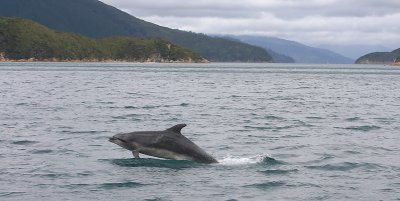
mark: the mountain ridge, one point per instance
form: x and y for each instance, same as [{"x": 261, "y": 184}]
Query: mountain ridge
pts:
[
  {"x": 93, "y": 18},
  {"x": 276, "y": 57},
  {"x": 299, "y": 52}
]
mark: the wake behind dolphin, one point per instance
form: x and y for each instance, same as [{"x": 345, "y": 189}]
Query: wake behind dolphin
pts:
[{"x": 169, "y": 144}]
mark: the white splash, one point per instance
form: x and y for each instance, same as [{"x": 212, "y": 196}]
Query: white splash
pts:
[{"x": 232, "y": 160}]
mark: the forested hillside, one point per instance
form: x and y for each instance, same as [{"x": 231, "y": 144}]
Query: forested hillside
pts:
[
  {"x": 22, "y": 39},
  {"x": 93, "y": 18},
  {"x": 380, "y": 57}
]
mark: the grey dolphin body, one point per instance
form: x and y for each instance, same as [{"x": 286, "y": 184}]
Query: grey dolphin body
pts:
[{"x": 169, "y": 144}]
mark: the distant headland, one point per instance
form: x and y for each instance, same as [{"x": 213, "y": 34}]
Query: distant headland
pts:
[{"x": 390, "y": 58}]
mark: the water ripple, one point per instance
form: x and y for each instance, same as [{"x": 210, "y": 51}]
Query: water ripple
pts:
[
  {"x": 352, "y": 119},
  {"x": 42, "y": 151},
  {"x": 266, "y": 185},
  {"x": 11, "y": 194},
  {"x": 365, "y": 128},
  {"x": 24, "y": 142},
  {"x": 156, "y": 199},
  {"x": 345, "y": 166},
  {"x": 278, "y": 171},
  {"x": 159, "y": 163},
  {"x": 128, "y": 184}
]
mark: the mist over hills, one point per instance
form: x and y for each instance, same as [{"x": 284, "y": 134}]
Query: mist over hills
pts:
[
  {"x": 276, "y": 57},
  {"x": 93, "y": 18},
  {"x": 299, "y": 52},
  {"x": 354, "y": 51}
]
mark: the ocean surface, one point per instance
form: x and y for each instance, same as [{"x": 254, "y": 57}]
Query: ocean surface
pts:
[{"x": 279, "y": 131}]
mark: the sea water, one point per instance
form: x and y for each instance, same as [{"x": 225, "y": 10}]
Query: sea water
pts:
[{"x": 280, "y": 131}]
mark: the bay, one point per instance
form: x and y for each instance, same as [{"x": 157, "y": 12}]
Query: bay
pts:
[{"x": 280, "y": 131}]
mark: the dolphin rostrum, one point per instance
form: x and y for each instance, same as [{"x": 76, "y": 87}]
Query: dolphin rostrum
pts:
[{"x": 169, "y": 144}]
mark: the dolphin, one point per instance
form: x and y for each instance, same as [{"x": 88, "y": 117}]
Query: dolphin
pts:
[{"x": 169, "y": 144}]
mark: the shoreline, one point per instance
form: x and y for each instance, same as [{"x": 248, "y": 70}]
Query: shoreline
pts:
[{"x": 103, "y": 60}]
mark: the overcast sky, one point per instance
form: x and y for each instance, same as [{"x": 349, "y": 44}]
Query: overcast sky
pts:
[{"x": 313, "y": 22}]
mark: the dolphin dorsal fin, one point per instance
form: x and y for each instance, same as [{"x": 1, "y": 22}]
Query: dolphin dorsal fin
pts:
[{"x": 177, "y": 128}]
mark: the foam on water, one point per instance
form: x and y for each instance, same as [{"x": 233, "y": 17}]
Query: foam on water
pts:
[{"x": 234, "y": 160}]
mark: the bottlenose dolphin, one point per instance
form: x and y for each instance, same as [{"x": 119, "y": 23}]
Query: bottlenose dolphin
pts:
[{"x": 169, "y": 144}]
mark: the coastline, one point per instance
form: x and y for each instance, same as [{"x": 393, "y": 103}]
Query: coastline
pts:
[
  {"x": 148, "y": 60},
  {"x": 379, "y": 63}
]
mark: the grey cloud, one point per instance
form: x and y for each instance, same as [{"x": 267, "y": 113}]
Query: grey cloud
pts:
[
  {"x": 309, "y": 21},
  {"x": 250, "y": 8}
]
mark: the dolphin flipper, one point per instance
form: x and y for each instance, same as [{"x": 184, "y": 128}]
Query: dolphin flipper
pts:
[{"x": 135, "y": 153}]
